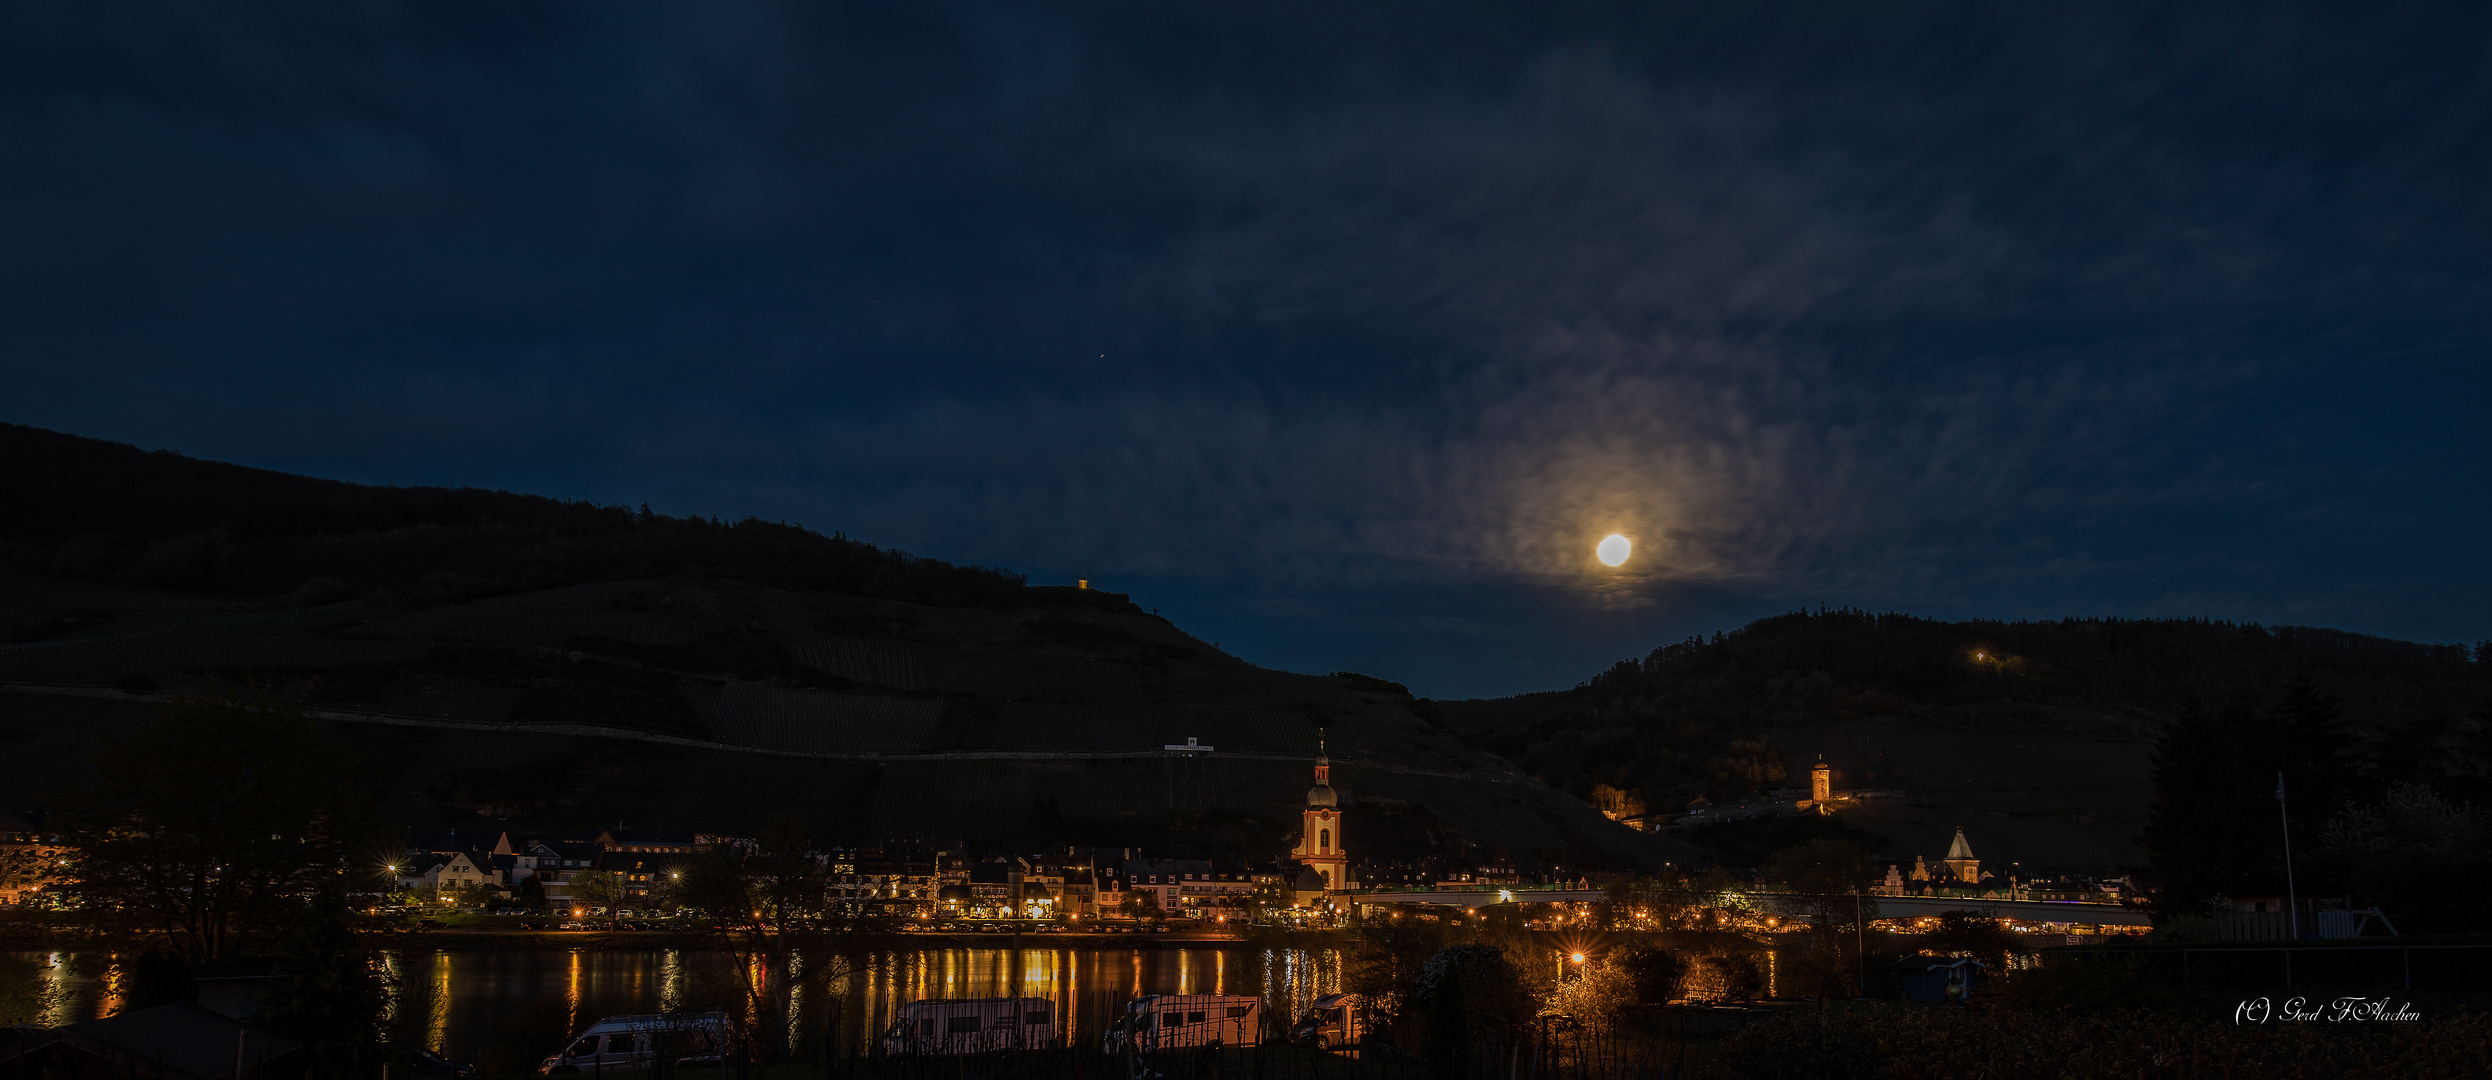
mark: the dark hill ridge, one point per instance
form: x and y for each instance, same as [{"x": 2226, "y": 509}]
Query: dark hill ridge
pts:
[
  {"x": 111, "y": 513},
  {"x": 2036, "y": 736},
  {"x": 561, "y": 665}
]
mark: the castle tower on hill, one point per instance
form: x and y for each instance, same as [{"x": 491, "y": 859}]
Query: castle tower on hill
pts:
[
  {"x": 1319, "y": 831},
  {"x": 1961, "y": 865},
  {"x": 1821, "y": 782}
]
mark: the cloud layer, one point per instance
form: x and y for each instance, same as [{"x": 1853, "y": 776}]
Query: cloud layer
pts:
[{"x": 1319, "y": 318}]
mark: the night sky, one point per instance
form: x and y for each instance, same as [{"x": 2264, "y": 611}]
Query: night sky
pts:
[{"x": 1339, "y": 333}]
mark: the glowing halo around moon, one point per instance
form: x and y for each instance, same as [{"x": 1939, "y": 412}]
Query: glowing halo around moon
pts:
[{"x": 1614, "y": 549}]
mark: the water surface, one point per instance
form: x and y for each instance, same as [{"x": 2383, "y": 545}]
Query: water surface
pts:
[{"x": 509, "y": 1003}]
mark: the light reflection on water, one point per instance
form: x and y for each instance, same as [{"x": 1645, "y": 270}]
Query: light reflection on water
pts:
[{"x": 475, "y": 996}]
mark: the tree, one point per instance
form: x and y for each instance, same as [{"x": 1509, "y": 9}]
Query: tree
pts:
[
  {"x": 1748, "y": 765},
  {"x": 2213, "y": 819},
  {"x": 1973, "y": 934},
  {"x": 2314, "y": 752},
  {"x": 1381, "y": 969},
  {"x": 1462, "y": 989},
  {"x": 770, "y": 901},
  {"x": 531, "y": 892},
  {"x": 212, "y": 827},
  {"x": 1652, "y": 974},
  {"x": 600, "y": 889},
  {"x": 332, "y": 1000},
  {"x": 2422, "y": 857},
  {"x": 1827, "y": 879}
]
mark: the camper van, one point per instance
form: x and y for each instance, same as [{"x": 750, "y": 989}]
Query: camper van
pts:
[
  {"x": 1330, "y": 1021},
  {"x": 971, "y": 1026},
  {"x": 1172, "y": 1021},
  {"x": 622, "y": 1044}
]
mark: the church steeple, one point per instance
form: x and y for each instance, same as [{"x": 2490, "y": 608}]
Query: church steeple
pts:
[
  {"x": 1322, "y": 793},
  {"x": 1961, "y": 865},
  {"x": 1319, "y": 838}
]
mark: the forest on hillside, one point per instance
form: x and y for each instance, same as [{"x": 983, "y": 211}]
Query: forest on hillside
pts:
[
  {"x": 108, "y": 512},
  {"x": 1691, "y": 718}
]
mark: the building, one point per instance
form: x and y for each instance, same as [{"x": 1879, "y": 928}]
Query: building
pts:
[
  {"x": 31, "y": 860},
  {"x": 1178, "y": 884},
  {"x": 649, "y": 841},
  {"x": 642, "y": 874},
  {"x": 436, "y": 872},
  {"x": 1321, "y": 846},
  {"x": 1962, "y": 867},
  {"x": 1309, "y": 888}
]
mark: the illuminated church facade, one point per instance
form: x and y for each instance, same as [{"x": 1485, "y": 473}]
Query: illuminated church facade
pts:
[{"x": 1320, "y": 846}]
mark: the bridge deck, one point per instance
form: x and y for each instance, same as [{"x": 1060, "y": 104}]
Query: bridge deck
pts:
[{"x": 1889, "y": 907}]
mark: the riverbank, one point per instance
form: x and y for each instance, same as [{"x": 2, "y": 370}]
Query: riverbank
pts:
[{"x": 490, "y": 938}]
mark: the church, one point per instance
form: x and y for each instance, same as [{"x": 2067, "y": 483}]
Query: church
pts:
[{"x": 1320, "y": 845}]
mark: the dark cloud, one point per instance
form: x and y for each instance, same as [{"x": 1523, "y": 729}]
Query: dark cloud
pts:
[{"x": 1345, "y": 332}]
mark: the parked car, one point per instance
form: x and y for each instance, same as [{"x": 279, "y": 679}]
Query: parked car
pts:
[
  {"x": 970, "y": 1026},
  {"x": 635, "y": 1043},
  {"x": 1173, "y": 1021}
]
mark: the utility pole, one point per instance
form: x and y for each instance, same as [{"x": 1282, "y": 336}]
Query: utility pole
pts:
[{"x": 2292, "y": 906}]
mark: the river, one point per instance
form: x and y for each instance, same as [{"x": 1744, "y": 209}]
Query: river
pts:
[{"x": 504, "y": 1007}]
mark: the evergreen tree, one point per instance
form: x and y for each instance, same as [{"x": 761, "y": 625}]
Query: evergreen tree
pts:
[
  {"x": 333, "y": 1000},
  {"x": 2212, "y": 820},
  {"x": 2315, "y": 754}
]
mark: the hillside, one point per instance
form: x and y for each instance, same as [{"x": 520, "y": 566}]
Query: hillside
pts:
[
  {"x": 557, "y": 665},
  {"x": 109, "y": 513},
  {"x": 2036, "y": 737}
]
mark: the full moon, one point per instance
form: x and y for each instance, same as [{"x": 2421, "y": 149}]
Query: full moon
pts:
[{"x": 1614, "y": 549}]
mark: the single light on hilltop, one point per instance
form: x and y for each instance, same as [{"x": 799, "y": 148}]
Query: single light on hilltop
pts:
[
  {"x": 1577, "y": 957},
  {"x": 1614, "y": 549}
]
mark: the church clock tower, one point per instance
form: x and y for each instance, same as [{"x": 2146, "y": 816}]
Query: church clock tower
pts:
[{"x": 1319, "y": 834}]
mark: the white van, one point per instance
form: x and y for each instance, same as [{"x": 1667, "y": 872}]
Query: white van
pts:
[
  {"x": 971, "y": 1026},
  {"x": 1171, "y": 1021},
  {"x": 625, "y": 1044},
  {"x": 1330, "y": 1022}
]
